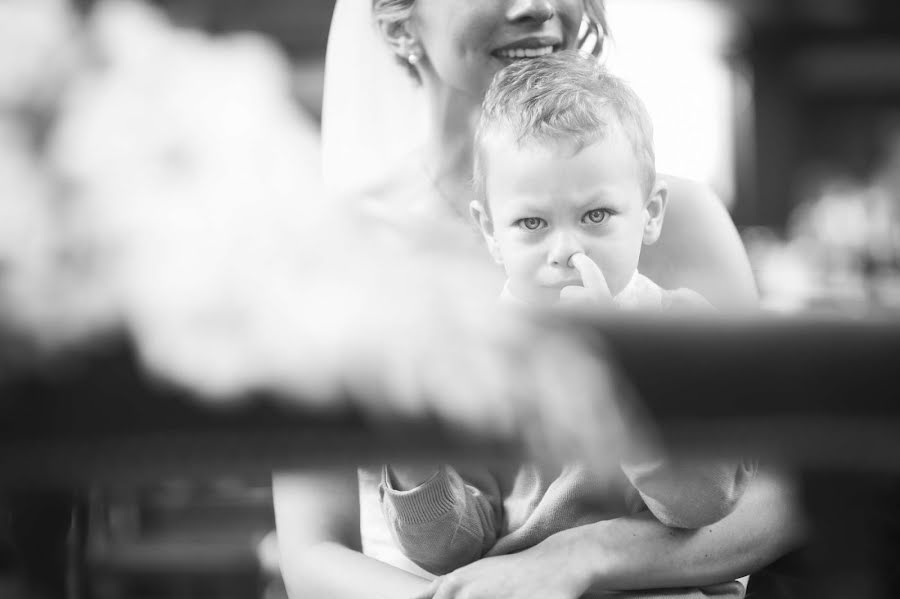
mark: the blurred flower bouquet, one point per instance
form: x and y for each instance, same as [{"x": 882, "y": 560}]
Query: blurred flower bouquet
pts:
[{"x": 163, "y": 182}]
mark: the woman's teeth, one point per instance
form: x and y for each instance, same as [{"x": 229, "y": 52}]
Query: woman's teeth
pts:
[{"x": 525, "y": 52}]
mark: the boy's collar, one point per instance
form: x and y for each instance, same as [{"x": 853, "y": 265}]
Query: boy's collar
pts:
[
  {"x": 507, "y": 298},
  {"x": 638, "y": 293}
]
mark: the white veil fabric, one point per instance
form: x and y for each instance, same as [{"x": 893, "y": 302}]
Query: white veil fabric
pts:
[
  {"x": 373, "y": 111},
  {"x": 373, "y": 116}
]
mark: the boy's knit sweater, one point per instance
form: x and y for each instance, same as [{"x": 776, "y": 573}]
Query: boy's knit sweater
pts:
[{"x": 459, "y": 516}]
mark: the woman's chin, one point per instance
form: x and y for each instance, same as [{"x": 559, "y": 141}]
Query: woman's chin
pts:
[{"x": 505, "y": 61}]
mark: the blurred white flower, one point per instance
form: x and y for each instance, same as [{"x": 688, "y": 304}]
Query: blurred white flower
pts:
[
  {"x": 191, "y": 213},
  {"x": 35, "y": 43},
  {"x": 26, "y": 225},
  {"x": 36, "y": 38}
]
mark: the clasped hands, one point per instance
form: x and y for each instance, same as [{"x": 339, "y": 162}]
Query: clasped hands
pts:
[{"x": 541, "y": 572}]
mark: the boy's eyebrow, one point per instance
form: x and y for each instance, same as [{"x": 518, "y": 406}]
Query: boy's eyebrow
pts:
[
  {"x": 598, "y": 196},
  {"x": 528, "y": 207},
  {"x": 588, "y": 201}
]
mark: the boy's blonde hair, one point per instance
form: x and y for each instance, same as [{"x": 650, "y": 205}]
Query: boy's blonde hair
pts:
[{"x": 563, "y": 97}]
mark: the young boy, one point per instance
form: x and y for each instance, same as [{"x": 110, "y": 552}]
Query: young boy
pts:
[{"x": 566, "y": 174}]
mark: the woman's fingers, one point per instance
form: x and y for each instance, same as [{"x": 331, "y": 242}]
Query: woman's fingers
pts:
[{"x": 431, "y": 591}]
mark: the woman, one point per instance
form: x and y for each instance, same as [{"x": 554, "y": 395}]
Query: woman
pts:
[
  {"x": 415, "y": 171},
  {"x": 402, "y": 133}
]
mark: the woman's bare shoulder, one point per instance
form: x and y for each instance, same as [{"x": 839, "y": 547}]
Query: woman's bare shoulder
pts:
[{"x": 700, "y": 248}]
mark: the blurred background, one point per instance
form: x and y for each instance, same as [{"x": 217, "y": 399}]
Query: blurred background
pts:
[{"x": 789, "y": 110}]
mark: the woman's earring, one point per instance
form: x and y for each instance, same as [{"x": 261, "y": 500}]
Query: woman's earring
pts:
[{"x": 414, "y": 58}]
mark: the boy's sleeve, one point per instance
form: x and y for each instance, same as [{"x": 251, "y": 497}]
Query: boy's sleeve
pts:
[
  {"x": 446, "y": 522},
  {"x": 690, "y": 493},
  {"x": 686, "y": 301}
]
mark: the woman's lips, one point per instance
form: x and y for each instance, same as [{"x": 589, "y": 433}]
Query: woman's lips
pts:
[
  {"x": 524, "y": 52},
  {"x": 530, "y": 47}
]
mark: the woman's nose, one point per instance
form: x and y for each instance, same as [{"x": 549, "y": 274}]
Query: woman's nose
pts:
[
  {"x": 563, "y": 246},
  {"x": 531, "y": 11}
]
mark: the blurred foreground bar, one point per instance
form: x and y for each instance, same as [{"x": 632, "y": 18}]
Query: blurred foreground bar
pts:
[
  {"x": 808, "y": 393},
  {"x": 819, "y": 396},
  {"x": 94, "y": 416}
]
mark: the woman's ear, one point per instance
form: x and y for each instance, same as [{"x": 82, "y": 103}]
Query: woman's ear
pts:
[
  {"x": 655, "y": 211},
  {"x": 482, "y": 218},
  {"x": 401, "y": 38}
]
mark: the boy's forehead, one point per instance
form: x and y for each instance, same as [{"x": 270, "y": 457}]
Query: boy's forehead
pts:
[
  {"x": 503, "y": 138},
  {"x": 502, "y": 145},
  {"x": 556, "y": 169},
  {"x": 513, "y": 166}
]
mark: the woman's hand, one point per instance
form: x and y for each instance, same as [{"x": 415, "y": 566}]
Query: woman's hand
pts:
[{"x": 531, "y": 574}]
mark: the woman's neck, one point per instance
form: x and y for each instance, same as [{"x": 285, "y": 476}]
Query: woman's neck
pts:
[{"x": 448, "y": 159}]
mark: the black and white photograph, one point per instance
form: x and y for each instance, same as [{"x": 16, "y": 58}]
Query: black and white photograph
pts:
[{"x": 449, "y": 299}]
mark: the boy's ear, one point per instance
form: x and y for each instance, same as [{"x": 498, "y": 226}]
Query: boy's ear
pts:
[
  {"x": 483, "y": 219},
  {"x": 400, "y": 37},
  {"x": 655, "y": 212}
]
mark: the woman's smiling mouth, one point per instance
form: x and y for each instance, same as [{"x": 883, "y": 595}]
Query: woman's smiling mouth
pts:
[
  {"x": 530, "y": 47},
  {"x": 524, "y": 52}
]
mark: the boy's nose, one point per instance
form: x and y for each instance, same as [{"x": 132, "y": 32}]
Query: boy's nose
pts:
[
  {"x": 532, "y": 11},
  {"x": 562, "y": 247}
]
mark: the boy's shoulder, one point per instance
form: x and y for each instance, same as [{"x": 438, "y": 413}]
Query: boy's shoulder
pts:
[
  {"x": 685, "y": 301},
  {"x": 643, "y": 293}
]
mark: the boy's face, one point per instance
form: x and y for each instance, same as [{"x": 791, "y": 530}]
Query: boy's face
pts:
[{"x": 547, "y": 203}]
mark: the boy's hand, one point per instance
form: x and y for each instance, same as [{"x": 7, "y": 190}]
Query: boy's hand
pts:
[{"x": 593, "y": 293}]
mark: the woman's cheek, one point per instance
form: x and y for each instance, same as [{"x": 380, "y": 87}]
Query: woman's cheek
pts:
[{"x": 472, "y": 66}]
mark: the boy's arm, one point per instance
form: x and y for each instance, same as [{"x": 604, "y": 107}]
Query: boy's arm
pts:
[
  {"x": 637, "y": 552},
  {"x": 687, "y": 493},
  {"x": 445, "y": 522}
]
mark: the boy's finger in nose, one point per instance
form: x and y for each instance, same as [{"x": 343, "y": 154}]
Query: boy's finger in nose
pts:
[{"x": 591, "y": 275}]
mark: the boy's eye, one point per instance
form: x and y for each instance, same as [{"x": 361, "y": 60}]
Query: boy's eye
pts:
[
  {"x": 532, "y": 223},
  {"x": 595, "y": 217}
]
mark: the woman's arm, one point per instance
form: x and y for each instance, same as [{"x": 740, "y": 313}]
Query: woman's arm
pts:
[
  {"x": 317, "y": 518},
  {"x": 700, "y": 249},
  {"x": 637, "y": 552}
]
